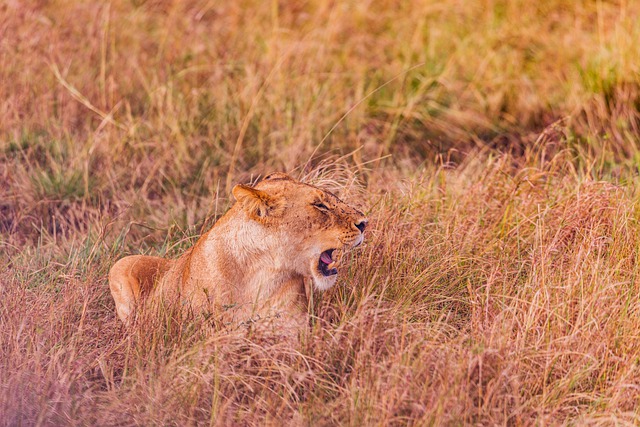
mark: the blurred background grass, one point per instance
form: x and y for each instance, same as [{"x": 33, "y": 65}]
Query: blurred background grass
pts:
[
  {"x": 171, "y": 96},
  {"x": 173, "y": 99}
]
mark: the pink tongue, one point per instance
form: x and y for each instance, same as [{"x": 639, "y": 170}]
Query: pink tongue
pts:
[{"x": 326, "y": 258}]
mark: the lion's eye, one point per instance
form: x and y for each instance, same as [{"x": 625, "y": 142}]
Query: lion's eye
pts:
[{"x": 321, "y": 206}]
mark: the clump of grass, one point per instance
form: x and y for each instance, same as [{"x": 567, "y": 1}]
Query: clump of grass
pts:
[{"x": 484, "y": 294}]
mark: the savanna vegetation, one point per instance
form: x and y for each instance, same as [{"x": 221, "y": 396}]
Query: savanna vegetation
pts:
[{"x": 494, "y": 145}]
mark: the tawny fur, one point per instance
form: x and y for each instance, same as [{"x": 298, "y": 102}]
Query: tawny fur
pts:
[{"x": 253, "y": 261}]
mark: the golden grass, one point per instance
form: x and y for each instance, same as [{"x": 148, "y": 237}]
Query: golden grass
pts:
[{"x": 499, "y": 280}]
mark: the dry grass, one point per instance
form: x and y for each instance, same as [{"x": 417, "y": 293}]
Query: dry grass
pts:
[{"x": 499, "y": 282}]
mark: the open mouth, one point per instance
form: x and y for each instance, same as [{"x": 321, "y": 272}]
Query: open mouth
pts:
[{"x": 325, "y": 261}]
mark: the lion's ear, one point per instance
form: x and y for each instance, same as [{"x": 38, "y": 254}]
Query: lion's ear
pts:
[{"x": 257, "y": 203}]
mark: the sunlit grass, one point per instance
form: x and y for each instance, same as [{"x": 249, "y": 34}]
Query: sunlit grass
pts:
[{"x": 493, "y": 145}]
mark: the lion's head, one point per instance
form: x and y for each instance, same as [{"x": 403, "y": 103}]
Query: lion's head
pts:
[{"x": 312, "y": 226}]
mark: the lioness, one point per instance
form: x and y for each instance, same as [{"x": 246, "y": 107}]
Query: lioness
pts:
[{"x": 254, "y": 259}]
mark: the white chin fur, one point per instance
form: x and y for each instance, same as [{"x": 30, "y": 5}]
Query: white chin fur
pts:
[{"x": 322, "y": 283}]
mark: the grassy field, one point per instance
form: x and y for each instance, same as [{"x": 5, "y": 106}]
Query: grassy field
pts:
[{"x": 494, "y": 145}]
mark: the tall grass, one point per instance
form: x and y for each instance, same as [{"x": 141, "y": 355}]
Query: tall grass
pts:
[{"x": 493, "y": 144}]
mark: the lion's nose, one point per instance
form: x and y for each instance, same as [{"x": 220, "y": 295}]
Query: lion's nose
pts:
[{"x": 361, "y": 225}]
